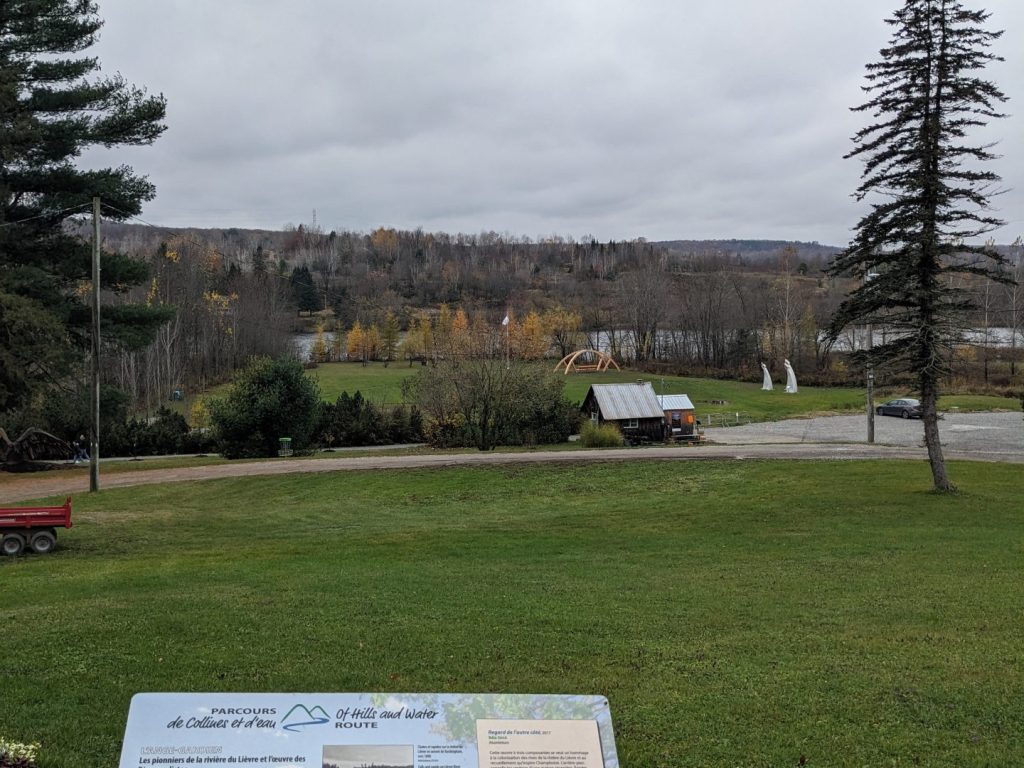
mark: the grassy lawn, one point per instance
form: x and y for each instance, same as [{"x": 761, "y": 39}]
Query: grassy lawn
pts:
[
  {"x": 377, "y": 383},
  {"x": 735, "y": 614},
  {"x": 381, "y": 384},
  {"x": 384, "y": 385}
]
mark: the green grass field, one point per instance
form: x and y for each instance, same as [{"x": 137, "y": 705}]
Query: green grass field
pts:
[
  {"x": 735, "y": 614},
  {"x": 381, "y": 384}
]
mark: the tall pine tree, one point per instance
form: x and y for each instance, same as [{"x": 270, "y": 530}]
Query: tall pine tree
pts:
[
  {"x": 929, "y": 195},
  {"x": 54, "y": 103}
]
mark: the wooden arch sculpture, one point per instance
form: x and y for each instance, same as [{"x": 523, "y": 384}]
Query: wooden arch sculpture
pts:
[{"x": 593, "y": 360}]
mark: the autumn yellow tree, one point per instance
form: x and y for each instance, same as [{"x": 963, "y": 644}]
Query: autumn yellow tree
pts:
[
  {"x": 410, "y": 347},
  {"x": 460, "y": 341},
  {"x": 319, "y": 352},
  {"x": 199, "y": 414},
  {"x": 354, "y": 342},
  {"x": 529, "y": 339},
  {"x": 389, "y": 337},
  {"x": 385, "y": 242},
  {"x": 563, "y": 327},
  {"x": 371, "y": 343},
  {"x": 426, "y": 337},
  {"x": 418, "y": 340}
]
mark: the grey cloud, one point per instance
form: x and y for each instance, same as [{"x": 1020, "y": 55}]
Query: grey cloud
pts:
[{"x": 656, "y": 118}]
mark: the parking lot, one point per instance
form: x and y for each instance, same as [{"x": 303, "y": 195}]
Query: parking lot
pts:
[{"x": 990, "y": 433}]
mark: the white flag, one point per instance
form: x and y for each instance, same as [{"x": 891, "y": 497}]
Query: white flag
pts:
[{"x": 505, "y": 321}]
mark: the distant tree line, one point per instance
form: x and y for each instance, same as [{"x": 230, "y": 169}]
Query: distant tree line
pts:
[{"x": 719, "y": 308}]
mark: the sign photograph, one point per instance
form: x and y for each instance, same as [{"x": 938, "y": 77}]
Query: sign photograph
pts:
[{"x": 368, "y": 730}]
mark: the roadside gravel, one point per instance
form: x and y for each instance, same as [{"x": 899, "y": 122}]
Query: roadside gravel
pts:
[{"x": 979, "y": 436}]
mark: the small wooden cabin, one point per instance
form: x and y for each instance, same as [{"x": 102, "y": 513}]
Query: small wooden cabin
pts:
[
  {"x": 633, "y": 408},
  {"x": 680, "y": 420}
]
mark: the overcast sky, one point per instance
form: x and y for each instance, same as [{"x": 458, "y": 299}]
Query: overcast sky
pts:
[{"x": 662, "y": 119}]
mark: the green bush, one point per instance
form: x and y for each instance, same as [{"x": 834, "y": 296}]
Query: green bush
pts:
[
  {"x": 351, "y": 420},
  {"x": 603, "y": 436},
  {"x": 168, "y": 433},
  {"x": 268, "y": 400},
  {"x": 485, "y": 402},
  {"x": 69, "y": 417}
]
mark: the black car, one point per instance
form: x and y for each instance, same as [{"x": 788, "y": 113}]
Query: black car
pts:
[{"x": 906, "y": 408}]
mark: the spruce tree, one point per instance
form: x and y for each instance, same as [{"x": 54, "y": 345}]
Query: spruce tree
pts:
[
  {"x": 303, "y": 290},
  {"x": 929, "y": 195},
  {"x": 54, "y": 103}
]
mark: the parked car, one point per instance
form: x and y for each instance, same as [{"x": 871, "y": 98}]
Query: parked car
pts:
[{"x": 906, "y": 408}]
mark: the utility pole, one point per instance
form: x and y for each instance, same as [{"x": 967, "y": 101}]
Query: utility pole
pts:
[
  {"x": 94, "y": 432},
  {"x": 871, "y": 371},
  {"x": 871, "y": 394}
]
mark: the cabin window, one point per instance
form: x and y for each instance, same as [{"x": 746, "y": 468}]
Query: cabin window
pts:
[
  {"x": 632, "y": 423},
  {"x": 594, "y": 417},
  {"x": 676, "y": 416}
]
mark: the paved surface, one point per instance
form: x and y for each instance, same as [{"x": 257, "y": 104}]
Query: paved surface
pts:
[
  {"x": 988, "y": 434},
  {"x": 980, "y": 437}
]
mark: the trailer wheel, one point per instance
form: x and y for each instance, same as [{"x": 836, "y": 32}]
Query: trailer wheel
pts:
[
  {"x": 43, "y": 542},
  {"x": 13, "y": 544}
]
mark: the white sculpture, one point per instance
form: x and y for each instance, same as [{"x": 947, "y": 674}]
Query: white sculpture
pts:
[
  {"x": 790, "y": 379},
  {"x": 766, "y": 385}
]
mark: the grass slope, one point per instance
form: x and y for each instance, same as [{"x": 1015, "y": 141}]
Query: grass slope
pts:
[
  {"x": 384, "y": 385},
  {"x": 381, "y": 384},
  {"x": 735, "y": 614}
]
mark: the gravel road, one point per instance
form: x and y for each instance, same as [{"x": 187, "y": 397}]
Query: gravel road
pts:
[{"x": 978, "y": 436}]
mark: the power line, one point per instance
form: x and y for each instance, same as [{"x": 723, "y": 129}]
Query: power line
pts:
[{"x": 45, "y": 215}]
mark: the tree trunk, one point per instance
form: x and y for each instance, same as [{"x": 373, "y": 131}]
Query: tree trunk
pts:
[
  {"x": 930, "y": 418},
  {"x": 929, "y": 264}
]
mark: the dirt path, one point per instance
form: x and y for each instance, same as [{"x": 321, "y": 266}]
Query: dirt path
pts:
[{"x": 54, "y": 484}]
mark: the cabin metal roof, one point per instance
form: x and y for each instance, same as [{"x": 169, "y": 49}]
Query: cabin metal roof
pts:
[
  {"x": 627, "y": 401},
  {"x": 675, "y": 402}
]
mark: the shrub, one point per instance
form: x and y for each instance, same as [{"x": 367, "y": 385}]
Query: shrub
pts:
[
  {"x": 268, "y": 400},
  {"x": 406, "y": 424},
  {"x": 15, "y": 755},
  {"x": 600, "y": 436},
  {"x": 486, "y": 402},
  {"x": 199, "y": 414},
  {"x": 351, "y": 420},
  {"x": 166, "y": 434},
  {"x": 69, "y": 417}
]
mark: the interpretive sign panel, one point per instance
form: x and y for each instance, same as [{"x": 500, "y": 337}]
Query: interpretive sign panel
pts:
[{"x": 360, "y": 730}]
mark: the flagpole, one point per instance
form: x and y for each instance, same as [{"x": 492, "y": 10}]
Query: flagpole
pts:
[{"x": 508, "y": 326}]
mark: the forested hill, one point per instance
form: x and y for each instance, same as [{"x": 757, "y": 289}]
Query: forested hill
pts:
[
  {"x": 232, "y": 241},
  {"x": 752, "y": 250},
  {"x": 138, "y": 238}
]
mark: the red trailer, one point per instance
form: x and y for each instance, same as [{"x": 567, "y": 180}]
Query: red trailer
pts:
[{"x": 34, "y": 527}]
